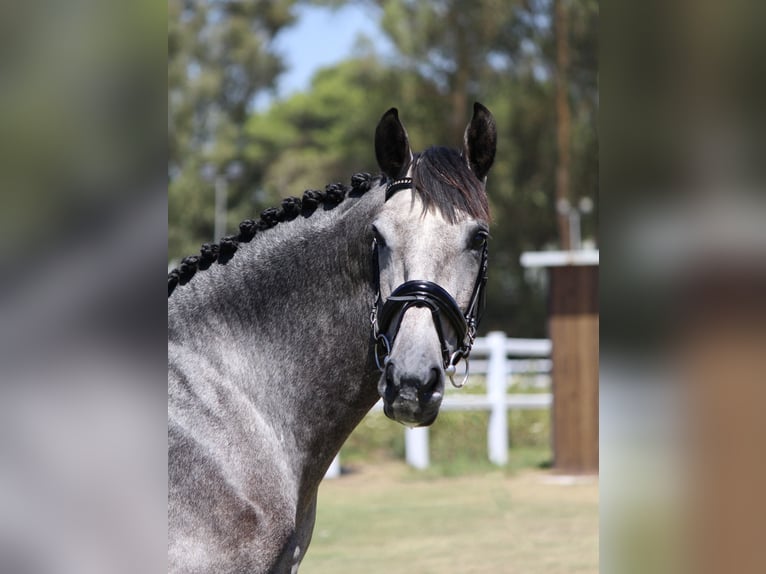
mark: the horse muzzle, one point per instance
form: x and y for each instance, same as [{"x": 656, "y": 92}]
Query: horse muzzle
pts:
[
  {"x": 409, "y": 399},
  {"x": 412, "y": 381}
]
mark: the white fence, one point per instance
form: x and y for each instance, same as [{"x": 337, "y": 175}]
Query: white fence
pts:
[{"x": 498, "y": 357}]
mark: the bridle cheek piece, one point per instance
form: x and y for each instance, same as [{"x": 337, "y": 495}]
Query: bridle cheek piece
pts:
[{"x": 386, "y": 318}]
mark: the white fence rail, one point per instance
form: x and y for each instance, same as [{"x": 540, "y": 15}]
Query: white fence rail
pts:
[{"x": 498, "y": 357}]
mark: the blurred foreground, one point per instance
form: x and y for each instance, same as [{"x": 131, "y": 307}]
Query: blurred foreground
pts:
[
  {"x": 683, "y": 312},
  {"x": 683, "y": 322}
]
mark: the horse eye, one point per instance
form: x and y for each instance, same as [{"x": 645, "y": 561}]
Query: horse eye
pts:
[{"x": 478, "y": 240}]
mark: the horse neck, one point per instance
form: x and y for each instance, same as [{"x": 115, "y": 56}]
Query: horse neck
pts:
[{"x": 287, "y": 322}]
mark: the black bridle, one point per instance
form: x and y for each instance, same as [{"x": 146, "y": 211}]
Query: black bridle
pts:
[{"x": 386, "y": 317}]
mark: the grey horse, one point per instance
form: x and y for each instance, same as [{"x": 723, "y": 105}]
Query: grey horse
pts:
[{"x": 278, "y": 350}]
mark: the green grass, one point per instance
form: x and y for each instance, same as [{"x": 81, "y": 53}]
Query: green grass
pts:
[
  {"x": 387, "y": 518},
  {"x": 461, "y": 515}
]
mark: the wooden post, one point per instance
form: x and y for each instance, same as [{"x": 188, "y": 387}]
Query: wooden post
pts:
[{"x": 573, "y": 327}]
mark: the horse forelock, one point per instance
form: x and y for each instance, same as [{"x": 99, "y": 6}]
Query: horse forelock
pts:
[{"x": 443, "y": 181}]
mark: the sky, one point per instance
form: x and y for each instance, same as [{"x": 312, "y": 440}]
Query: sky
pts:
[{"x": 321, "y": 37}]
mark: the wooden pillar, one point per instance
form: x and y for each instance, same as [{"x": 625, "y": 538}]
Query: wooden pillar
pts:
[{"x": 573, "y": 328}]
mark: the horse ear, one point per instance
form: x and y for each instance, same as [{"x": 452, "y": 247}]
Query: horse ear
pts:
[
  {"x": 480, "y": 141},
  {"x": 392, "y": 146}
]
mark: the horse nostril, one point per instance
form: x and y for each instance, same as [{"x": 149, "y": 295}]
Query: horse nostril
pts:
[
  {"x": 391, "y": 388},
  {"x": 390, "y": 373},
  {"x": 433, "y": 380},
  {"x": 401, "y": 384}
]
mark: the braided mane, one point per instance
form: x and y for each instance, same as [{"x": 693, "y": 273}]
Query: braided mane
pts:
[{"x": 290, "y": 208}]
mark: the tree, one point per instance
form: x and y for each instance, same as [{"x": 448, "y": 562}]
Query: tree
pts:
[
  {"x": 563, "y": 117},
  {"x": 451, "y": 42},
  {"x": 326, "y": 134},
  {"x": 450, "y": 53},
  {"x": 322, "y": 135},
  {"x": 219, "y": 59}
]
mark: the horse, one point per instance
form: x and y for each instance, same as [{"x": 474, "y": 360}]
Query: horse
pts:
[{"x": 299, "y": 324}]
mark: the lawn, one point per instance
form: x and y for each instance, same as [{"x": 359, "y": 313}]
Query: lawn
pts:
[{"x": 386, "y": 518}]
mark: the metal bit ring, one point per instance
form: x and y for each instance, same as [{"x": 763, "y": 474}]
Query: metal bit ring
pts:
[{"x": 451, "y": 369}]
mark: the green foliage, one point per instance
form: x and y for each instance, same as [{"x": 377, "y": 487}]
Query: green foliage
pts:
[
  {"x": 322, "y": 136},
  {"x": 219, "y": 59}
]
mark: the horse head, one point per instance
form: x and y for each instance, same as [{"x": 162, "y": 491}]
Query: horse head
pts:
[{"x": 430, "y": 250}]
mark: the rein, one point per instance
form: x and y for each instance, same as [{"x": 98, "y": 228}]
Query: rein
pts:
[{"x": 386, "y": 317}]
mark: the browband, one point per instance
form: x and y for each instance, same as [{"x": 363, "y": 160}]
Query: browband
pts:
[{"x": 398, "y": 185}]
